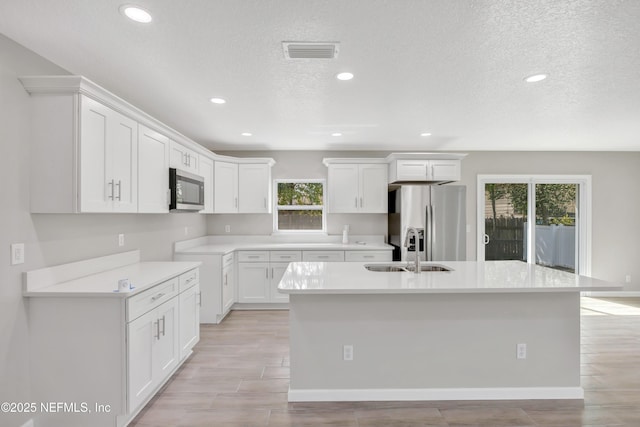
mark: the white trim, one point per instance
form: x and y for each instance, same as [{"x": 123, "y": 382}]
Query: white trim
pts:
[
  {"x": 584, "y": 208},
  {"x": 410, "y": 394}
]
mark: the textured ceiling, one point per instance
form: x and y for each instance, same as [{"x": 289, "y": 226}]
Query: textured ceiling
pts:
[{"x": 453, "y": 68}]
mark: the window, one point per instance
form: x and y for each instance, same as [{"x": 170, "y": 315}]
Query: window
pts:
[
  {"x": 299, "y": 206},
  {"x": 539, "y": 219}
]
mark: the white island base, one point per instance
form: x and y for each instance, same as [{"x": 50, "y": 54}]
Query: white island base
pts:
[
  {"x": 437, "y": 341},
  {"x": 435, "y": 347}
]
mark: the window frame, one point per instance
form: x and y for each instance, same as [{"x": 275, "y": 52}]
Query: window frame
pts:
[
  {"x": 322, "y": 208},
  {"x": 583, "y": 206}
]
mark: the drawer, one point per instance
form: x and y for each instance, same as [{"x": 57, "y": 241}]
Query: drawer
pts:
[
  {"x": 367, "y": 256},
  {"x": 323, "y": 256},
  {"x": 227, "y": 260},
  {"x": 253, "y": 256},
  {"x": 189, "y": 279},
  {"x": 285, "y": 256},
  {"x": 151, "y": 298}
]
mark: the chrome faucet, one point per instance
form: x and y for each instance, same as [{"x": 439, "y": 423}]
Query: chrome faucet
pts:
[{"x": 416, "y": 267}]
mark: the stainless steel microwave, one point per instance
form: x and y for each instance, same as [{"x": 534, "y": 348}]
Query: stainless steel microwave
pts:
[{"x": 187, "y": 191}]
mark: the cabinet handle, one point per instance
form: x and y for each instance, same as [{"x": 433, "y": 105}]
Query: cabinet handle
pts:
[
  {"x": 225, "y": 280},
  {"x": 189, "y": 280},
  {"x": 356, "y": 202},
  {"x": 157, "y": 324},
  {"x": 323, "y": 256},
  {"x": 285, "y": 256},
  {"x": 267, "y": 271},
  {"x": 360, "y": 201},
  {"x": 163, "y": 325},
  {"x": 184, "y": 161},
  {"x": 156, "y": 297},
  {"x": 111, "y": 183},
  {"x": 199, "y": 299},
  {"x": 236, "y": 201},
  {"x": 119, "y": 185},
  {"x": 367, "y": 256},
  {"x": 253, "y": 256},
  {"x": 265, "y": 203}
]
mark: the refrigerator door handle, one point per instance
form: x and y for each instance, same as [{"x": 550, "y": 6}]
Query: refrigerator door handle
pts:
[{"x": 432, "y": 232}]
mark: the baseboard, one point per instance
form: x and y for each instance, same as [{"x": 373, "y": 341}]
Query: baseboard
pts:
[
  {"x": 619, "y": 294},
  {"x": 504, "y": 393},
  {"x": 28, "y": 423}
]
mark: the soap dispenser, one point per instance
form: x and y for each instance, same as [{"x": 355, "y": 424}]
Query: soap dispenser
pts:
[{"x": 345, "y": 235}]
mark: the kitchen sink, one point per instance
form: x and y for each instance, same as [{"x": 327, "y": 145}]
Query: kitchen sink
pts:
[
  {"x": 387, "y": 268},
  {"x": 410, "y": 267}
]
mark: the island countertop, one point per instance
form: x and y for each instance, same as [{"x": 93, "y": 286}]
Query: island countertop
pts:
[{"x": 464, "y": 277}]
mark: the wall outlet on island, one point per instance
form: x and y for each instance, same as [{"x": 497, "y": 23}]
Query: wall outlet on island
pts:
[
  {"x": 227, "y": 229},
  {"x": 120, "y": 239},
  {"x": 521, "y": 351},
  {"x": 347, "y": 352},
  {"x": 627, "y": 278}
]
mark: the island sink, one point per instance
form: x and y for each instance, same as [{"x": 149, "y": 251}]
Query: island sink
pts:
[{"x": 404, "y": 268}]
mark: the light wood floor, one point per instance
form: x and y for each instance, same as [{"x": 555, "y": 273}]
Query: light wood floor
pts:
[{"x": 238, "y": 376}]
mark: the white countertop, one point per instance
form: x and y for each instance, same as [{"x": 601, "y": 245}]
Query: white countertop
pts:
[
  {"x": 142, "y": 275},
  {"x": 225, "y": 248},
  {"x": 466, "y": 277}
]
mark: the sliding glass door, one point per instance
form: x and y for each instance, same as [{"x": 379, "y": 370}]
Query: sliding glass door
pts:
[{"x": 535, "y": 219}]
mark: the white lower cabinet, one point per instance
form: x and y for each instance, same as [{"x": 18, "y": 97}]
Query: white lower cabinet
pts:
[
  {"x": 260, "y": 272},
  {"x": 189, "y": 320},
  {"x": 153, "y": 350}
]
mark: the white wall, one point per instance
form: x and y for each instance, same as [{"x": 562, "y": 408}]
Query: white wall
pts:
[
  {"x": 616, "y": 201},
  {"x": 51, "y": 239}
]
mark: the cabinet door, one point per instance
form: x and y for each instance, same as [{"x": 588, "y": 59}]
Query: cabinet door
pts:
[
  {"x": 153, "y": 171},
  {"x": 166, "y": 353},
  {"x": 228, "y": 288},
  {"x": 178, "y": 156},
  {"x": 254, "y": 188},
  {"x": 142, "y": 335},
  {"x": 277, "y": 271},
  {"x": 206, "y": 171},
  {"x": 343, "y": 188},
  {"x": 96, "y": 187},
  {"x": 189, "y": 320},
  {"x": 253, "y": 282},
  {"x": 411, "y": 170},
  {"x": 226, "y": 187},
  {"x": 444, "y": 170},
  {"x": 373, "y": 188},
  {"x": 123, "y": 142}
]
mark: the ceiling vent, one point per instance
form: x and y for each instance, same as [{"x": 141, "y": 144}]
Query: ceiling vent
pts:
[{"x": 311, "y": 50}]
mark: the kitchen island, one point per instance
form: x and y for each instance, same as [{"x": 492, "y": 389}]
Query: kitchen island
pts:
[{"x": 484, "y": 330}]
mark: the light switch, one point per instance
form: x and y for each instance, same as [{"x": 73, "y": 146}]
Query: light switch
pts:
[{"x": 17, "y": 253}]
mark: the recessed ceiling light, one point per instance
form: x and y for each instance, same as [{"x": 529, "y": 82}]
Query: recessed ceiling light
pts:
[
  {"x": 218, "y": 100},
  {"x": 136, "y": 13},
  {"x": 246, "y": 134},
  {"x": 344, "y": 76},
  {"x": 535, "y": 78},
  {"x": 336, "y": 134},
  {"x": 425, "y": 134}
]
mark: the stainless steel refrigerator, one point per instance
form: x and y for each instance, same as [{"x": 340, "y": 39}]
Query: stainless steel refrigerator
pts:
[{"x": 438, "y": 212}]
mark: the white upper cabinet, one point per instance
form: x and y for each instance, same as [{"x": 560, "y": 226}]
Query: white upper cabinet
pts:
[
  {"x": 225, "y": 187},
  {"x": 108, "y": 159},
  {"x": 184, "y": 158},
  {"x": 357, "y": 188},
  {"x": 206, "y": 171},
  {"x": 424, "y": 167},
  {"x": 153, "y": 171},
  {"x": 254, "y": 190}
]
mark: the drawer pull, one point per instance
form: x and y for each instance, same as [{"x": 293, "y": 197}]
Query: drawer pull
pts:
[
  {"x": 285, "y": 256},
  {"x": 323, "y": 256},
  {"x": 163, "y": 325},
  {"x": 157, "y": 325},
  {"x": 254, "y": 256},
  {"x": 157, "y": 297},
  {"x": 368, "y": 256},
  {"x": 189, "y": 280}
]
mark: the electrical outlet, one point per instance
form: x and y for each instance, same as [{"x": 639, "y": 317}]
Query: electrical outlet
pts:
[
  {"x": 521, "y": 351},
  {"x": 227, "y": 229},
  {"x": 17, "y": 253},
  {"x": 186, "y": 231},
  {"x": 627, "y": 278},
  {"x": 347, "y": 352},
  {"x": 120, "y": 239}
]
